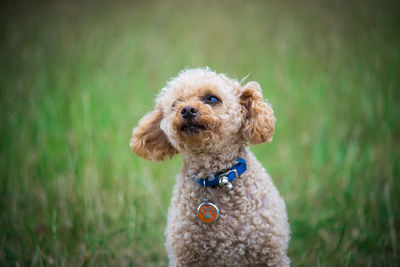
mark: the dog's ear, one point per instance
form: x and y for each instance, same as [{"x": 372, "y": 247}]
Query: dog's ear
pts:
[
  {"x": 149, "y": 141},
  {"x": 259, "y": 120}
]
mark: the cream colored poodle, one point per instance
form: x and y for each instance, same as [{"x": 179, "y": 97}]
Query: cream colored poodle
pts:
[{"x": 225, "y": 209}]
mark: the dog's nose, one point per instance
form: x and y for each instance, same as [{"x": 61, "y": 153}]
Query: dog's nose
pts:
[{"x": 189, "y": 112}]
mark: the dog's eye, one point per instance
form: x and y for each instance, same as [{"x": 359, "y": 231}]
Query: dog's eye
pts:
[
  {"x": 176, "y": 102},
  {"x": 211, "y": 99}
]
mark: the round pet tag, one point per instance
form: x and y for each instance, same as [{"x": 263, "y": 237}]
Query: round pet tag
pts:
[{"x": 208, "y": 212}]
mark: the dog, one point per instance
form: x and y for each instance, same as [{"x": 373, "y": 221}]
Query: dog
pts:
[{"x": 225, "y": 209}]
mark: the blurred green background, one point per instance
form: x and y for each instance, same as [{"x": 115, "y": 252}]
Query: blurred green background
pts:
[{"x": 77, "y": 76}]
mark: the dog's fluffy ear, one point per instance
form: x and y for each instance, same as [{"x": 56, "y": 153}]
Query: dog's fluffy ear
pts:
[
  {"x": 259, "y": 120},
  {"x": 149, "y": 141}
]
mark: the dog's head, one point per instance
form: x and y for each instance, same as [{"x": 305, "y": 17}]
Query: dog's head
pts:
[{"x": 202, "y": 111}]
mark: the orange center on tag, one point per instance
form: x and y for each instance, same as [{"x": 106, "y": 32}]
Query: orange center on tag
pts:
[{"x": 208, "y": 212}]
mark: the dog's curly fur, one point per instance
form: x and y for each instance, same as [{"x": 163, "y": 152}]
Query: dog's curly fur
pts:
[{"x": 253, "y": 228}]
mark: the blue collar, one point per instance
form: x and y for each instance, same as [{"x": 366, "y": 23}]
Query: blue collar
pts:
[{"x": 231, "y": 174}]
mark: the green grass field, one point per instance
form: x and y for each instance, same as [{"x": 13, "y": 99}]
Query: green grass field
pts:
[{"x": 76, "y": 78}]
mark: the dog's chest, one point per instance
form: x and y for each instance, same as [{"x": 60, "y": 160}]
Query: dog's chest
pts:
[{"x": 228, "y": 237}]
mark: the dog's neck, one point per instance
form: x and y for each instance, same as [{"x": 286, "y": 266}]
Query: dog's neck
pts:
[{"x": 209, "y": 163}]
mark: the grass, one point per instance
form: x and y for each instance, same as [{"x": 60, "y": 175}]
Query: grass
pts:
[{"x": 76, "y": 77}]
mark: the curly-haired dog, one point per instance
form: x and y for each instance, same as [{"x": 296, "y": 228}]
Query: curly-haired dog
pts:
[{"x": 225, "y": 209}]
